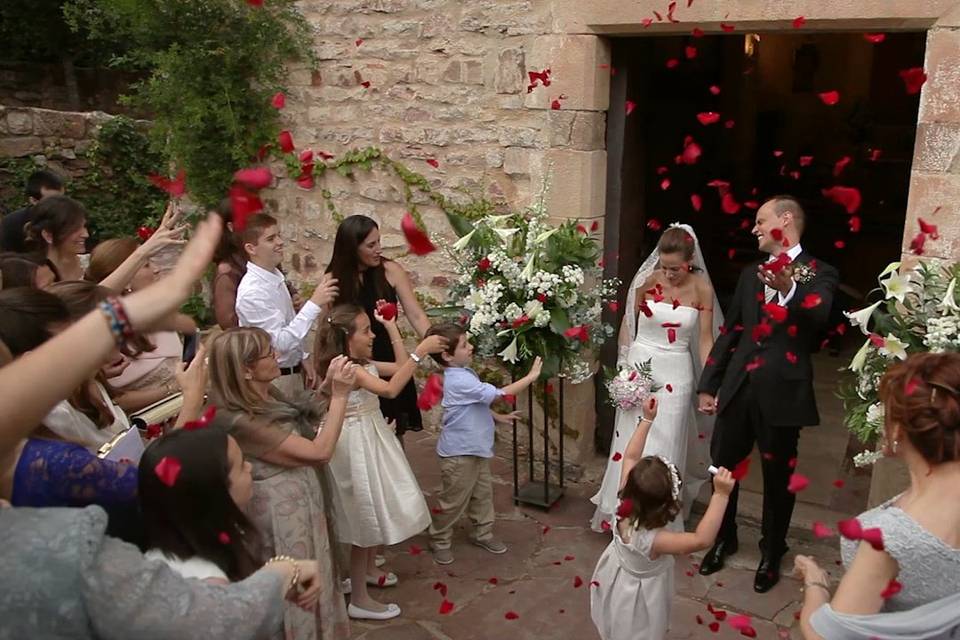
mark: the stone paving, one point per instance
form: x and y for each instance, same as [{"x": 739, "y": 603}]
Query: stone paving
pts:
[{"x": 537, "y": 578}]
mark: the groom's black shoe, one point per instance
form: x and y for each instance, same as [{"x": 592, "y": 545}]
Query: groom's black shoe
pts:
[
  {"x": 768, "y": 572},
  {"x": 713, "y": 561}
]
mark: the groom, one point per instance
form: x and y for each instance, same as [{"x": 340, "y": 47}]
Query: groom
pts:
[{"x": 758, "y": 379}]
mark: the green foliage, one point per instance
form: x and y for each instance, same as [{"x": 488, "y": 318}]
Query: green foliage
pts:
[
  {"x": 115, "y": 190},
  {"x": 212, "y": 67},
  {"x": 36, "y": 31}
]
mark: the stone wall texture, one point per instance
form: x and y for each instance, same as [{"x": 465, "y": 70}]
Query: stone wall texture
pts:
[{"x": 447, "y": 81}]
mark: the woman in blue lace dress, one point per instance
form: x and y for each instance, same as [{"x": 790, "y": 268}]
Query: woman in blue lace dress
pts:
[{"x": 905, "y": 553}]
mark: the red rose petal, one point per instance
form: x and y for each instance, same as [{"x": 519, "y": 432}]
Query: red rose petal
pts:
[
  {"x": 417, "y": 240},
  {"x": 791, "y": 357},
  {"x": 223, "y": 537},
  {"x": 255, "y": 178},
  {"x": 630, "y": 106},
  {"x": 415, "y": 550},
  {"x": 805, "y": 161},
  {"x": 617, "y": 456},
  {"x": 775, "y": 312},
  {"x": 285, "y": 139},
  {"x": 577, "y": 582},
  {"x": 850, "y": 529},
  {"x": 708, "y": 117},
  {"x": 916, "y": 245},
  {"x": 696, "y": 201},
  {"x": 538, "y": 78},
  {"x": 729, "y": 204},
  {"x": 838, "y": 483},
  {"x": 244, "y": 204},
  {"x": 874, "y": 537},
  {"x": 175, "y": 187},
  {"x": 691, "y": 153},
  {"x": 840, "y": 165},
  {"x": 727, "y": 27},
  {"x": 545, "y": 530},
  {"x": 279, "y": 101},
  {"x": 365, "y": 84},
  {"x": 511, "y": 615},
  {"x": 893, "y": 588},
  {"x": 811, "y": 300},
  {"x": 848, "y": 197},
  {"x": 493, "y": 581},
  {"x": 445, "y": 607},
  {"x": 911, "y": 386},
  {"x": 436, "y": 510},
  {"x": 669, "y": 388},
  {"x": 754, "y": 364},
  {"x": 697, "y": 32},
  {"x": 829, "y": 98},
  {"x": 913, "y": 79},
  {"x": 431, "y": 394},
  {"x": 741, "y": 469},
  {"x": 821, "y": 530},
  {"x": 594, "y": 583},
  {"x": 613, "y": 305},
  {"x": 739, "y": 622},
  {"x": 672, "y": 63},
  {"x": 665, "y": 184},
  {"x": 714, "y": 626},
  {"x": 874, "y": 154},
  {"x": 358, "y": 42},
  {"x": 144, "y": 233},
  {"x": 714, "y": 89},
  {"x": 690, "y": 52},
  {"x": 798, "y": 482},
  {"x": 625, "y": 508},
  {"x": 432, "y": 162},
  {"x": 854, "y": 223},
  {"x": 875, "y": 38},
  {"x": 929, "y": 229},
  {"x": 568, "y": 558},
  {"x": 167, "y": 470},
  {"x": 798, "y": 22},
  {"x": 605, "y": 525}
]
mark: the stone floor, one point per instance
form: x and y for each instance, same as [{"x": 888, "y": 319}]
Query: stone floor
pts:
[{"x": 549, "y": 550}]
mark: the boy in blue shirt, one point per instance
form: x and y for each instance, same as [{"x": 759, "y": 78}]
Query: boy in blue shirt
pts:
[{"x": 466, "y": 444}]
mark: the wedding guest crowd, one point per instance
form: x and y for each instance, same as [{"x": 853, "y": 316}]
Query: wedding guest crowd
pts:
[{"x": 229, "y": 517}]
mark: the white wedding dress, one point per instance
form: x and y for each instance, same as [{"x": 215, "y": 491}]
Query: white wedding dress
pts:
[
  {"x": 675, "y": 425},
  {"x": 678, "y": 433}
]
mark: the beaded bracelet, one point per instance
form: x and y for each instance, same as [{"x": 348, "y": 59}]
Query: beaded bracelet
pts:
[
  {"x": 295, "y": 581},
  {"x": 117, "y": 319}
]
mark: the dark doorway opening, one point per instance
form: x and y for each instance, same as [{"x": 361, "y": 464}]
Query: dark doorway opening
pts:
[{"x": 774, "y": 135}]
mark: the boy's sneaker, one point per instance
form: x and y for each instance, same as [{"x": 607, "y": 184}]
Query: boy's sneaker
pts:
[
  {"x": 493, "y": 546},
  {"x": 443, "y": 556}
]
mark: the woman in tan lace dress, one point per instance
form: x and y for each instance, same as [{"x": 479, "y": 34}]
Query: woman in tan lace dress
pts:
[{"x": 286, "y": 441}]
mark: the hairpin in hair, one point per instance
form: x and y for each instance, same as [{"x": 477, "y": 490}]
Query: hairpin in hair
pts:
[{"x": 943, "y": 387}]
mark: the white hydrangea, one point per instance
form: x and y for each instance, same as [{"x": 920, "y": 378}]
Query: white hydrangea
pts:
[
  {"x": 572, "y": 274},
  {"x": 512, "y": 312},
  {"x": 875, "y": 414},
  {"x": 943, "y": 334},
  {"x": 543, "y": 282},
  {"x": 542, "y": 319}
]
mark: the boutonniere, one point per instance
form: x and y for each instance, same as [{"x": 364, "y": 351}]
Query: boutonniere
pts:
[{"x": 804, "y": 273}]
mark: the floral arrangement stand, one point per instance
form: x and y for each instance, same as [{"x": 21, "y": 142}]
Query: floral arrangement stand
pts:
[
  {"x": 541, "y": 493},
  {"x": 530, "y": 287}
]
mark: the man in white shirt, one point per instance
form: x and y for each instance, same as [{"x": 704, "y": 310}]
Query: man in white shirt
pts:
[{"x": 263, "y": 301}]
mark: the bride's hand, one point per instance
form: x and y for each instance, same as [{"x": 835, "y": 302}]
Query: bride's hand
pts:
[{"x": 707, "y": 404}]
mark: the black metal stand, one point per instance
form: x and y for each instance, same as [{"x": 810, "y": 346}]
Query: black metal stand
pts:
[{"x": 542, "y": 492}]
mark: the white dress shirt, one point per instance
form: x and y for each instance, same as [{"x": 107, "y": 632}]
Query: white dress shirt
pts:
[
  {"x": 263, "y": 301},
  {"x": 793, "y": 252}
]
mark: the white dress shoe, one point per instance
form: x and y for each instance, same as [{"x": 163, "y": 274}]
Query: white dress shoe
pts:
[
  {"x": 357, "y": 613},
  {"x": 380, "y": 561}
]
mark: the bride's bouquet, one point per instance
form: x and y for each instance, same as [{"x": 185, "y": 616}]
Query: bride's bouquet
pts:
[{"x": 631, "y": 385}]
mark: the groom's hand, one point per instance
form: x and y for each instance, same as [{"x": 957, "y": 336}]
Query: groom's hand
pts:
[
  {"x": 707, "y": 404},
  {"x": 781, "y": 281}
]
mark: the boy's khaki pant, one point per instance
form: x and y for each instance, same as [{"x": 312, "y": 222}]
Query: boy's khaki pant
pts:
[{"x": 466, "y": 486}]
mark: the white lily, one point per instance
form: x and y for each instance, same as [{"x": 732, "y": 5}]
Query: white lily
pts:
[
  {"x": 527, "y": 272},
  {"x": 510, "y": 353},
  {"x": 860, "y": 358},
  {"x": 506, "y": 234},
  {"x": 893, "y": 347},
  {"x": 495, "y": 220},
  {"x": 546, "y": 234},
  {"x": 464, "y": 241},
  {"x": 897, "y": 286},
  {"x": 890, "y": 268},
  {"x": 862, "y": 318},
  {"x": 948, "y": 303}
]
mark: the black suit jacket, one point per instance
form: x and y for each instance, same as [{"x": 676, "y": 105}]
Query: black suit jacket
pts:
[{"x": 783, "y": 388}]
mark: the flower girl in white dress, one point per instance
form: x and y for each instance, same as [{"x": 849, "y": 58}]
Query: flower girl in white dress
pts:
[
  {"x": 632, "y": 585},
  {"x": 376, "y": 498}
]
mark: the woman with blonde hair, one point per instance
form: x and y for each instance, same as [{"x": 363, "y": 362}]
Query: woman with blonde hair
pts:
[{"x": 285, "y": 439}]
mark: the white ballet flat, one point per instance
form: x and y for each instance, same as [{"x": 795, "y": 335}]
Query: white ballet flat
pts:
[
  {"x": 357, "y": 613},
  {"x": 380, "y": 561},
  {"x": 389, "y": 580}
]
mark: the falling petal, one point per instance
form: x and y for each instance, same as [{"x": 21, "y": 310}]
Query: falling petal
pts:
[
  {"x": 848, "y": 197},
  {"x": 821, "y": 530},
  {"x": 708, "y": 117},
  {"x": 875, "y": 38},
  {"x": 255, "y": 178},
  {"x": 729, "y": 204},
  {"x": 279, "y": 101},
  {"x": 511, "y": 615},
  {"x": 285, "y": 140},
  {"x": 714, "y": 89},
  {"x": 417, "y": 240},
  {"x": 811, "y": 300},
  {"x": 798, "y": 482},
  {"x": 830, "y": 98},
  {"x": 690, "y": 52},
  {"x": 893, "y": 588},
  {"x": 631, "y": 105},
  {"x": 798, "y": 22},
  {"x": 727, "y": 27},
  {"x": 741, "y": 469},
  {"x": 167, "y": 470},
  {"x": 445, "y": 607},
  {"x": 913, "y": 79},
  {"x": 696, "y": 201}
]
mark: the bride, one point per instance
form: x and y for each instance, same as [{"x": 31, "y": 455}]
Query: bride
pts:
[{"x": 671, "y": 318}]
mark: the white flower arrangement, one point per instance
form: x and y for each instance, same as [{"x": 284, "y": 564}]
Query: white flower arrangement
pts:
[
  {"x": 528, "y": 288},
  {"x": 919, "y": 312}
]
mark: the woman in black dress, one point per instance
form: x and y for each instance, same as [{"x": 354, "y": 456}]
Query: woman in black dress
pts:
[{"x": 365, "y": 277}]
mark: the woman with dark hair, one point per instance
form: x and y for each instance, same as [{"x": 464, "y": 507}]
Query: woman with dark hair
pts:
[
  {"x": 231, "y": 261},
  {"x": 58, "y": 231},
  {"x": 197, "y": 526},
  {"x": 915, "y": 568},
  {"x": 24, "y": 270},
  {"x": 366, "y": 277}
]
